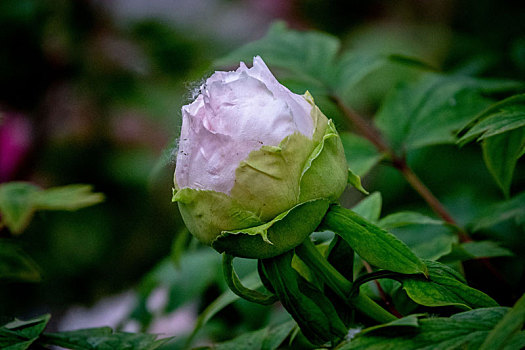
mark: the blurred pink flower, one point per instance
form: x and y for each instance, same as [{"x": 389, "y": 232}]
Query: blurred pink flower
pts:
[{"x": 15, "y": 141}]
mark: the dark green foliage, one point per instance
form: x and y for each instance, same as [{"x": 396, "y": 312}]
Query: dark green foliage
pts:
[{"x": 463, "y": 330}]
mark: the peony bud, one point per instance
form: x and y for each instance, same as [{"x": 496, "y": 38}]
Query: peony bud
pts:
[{"x": 257, "y": 165}]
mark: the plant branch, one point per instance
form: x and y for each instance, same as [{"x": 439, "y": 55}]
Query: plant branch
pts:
[
  {"x": 372, "y": 134},
  {"x": 362, "y": 126}
]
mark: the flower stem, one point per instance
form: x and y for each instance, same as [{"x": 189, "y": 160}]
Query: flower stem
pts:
[{"x": 340, "y": 285}]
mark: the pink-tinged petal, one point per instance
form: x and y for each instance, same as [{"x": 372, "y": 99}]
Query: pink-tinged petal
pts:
[{"x": 236, "y": 113}]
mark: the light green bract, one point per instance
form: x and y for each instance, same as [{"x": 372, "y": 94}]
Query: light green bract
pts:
[{"x": 280, "y": 195}]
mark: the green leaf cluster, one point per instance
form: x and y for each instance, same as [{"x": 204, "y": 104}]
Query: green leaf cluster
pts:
[
  {"x": 430, "y": 108},
  {"x": 413, "y": 259}
]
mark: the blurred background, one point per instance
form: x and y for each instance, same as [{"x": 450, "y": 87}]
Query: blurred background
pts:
[{"x": 91, "y": 90}]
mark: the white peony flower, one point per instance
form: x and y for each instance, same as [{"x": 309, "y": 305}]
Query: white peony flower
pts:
[{"x": 257, "y": 165}]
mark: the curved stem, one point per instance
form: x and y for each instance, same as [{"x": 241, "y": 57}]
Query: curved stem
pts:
[
  {"x": 340, "y": 285},
  {"x": 375, "y": 275}
]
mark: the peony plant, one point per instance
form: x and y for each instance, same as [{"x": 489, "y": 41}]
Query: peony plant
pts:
[
  {"x": 259, "y": 169},
  {"x": 257, "y": 165}
]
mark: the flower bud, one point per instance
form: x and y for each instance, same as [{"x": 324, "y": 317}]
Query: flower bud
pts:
[{"x": 257, "y": 165}]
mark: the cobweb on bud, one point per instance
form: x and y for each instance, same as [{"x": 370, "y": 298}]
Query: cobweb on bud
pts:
[{"x": 193, "y": 89}]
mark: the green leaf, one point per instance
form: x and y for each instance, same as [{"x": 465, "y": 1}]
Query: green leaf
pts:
[
  {"x": 370, "y": 207},
  {"x": 375, "y": 245},
  {"x": 19, "y": 335},
  {"x": 499, "y": 118},
  {"x": 430, "y": 111},
  {"x": 361, "y": 154},
  {"x": 466, "y": 330},
  {"x": 308, "y": 55},
  {"x": 268, "y": 338},
  {"x": 103, "y": 339},
  {"x": 309, "y": 60},
  {"x": 501, "y": 154},
  {"x": 355, "y": 65},
  {"x": 70, "y": 197},
  {"x": 513, "y": 208},
  {"x": 444, "y": 287},
  {"x": 509, "y": 326},
  {"x": 80, "y": 339},
  {"x": 19, "y": 200},
  {"x": 516, "y": 342},
  {"x": 16, "y": 265},
  {"x": 429, "y": 238},
  {"x": 434, "y": 247},
  {"x": 406, "y": 218},
  {"x": 499, "y": 124},
  {"x": 476, "y": 250},
  {"x": 428, "y": 241},
  {"x": 16, "y": 205},
  {"x": 485, "y": 249}
]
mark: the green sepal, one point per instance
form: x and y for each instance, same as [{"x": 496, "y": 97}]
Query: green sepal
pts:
[
  {"x": 207, "y": 213},
  {"x": 355, "y": 180},
  {"x": 267, "y": 182},
  {"x": 284, "y": 232},
  {"x": 235, "y": 285},
  {"x": 327, "y": 163}
]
